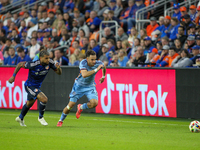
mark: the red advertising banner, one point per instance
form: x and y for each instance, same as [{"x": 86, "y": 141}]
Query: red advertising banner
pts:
[
  {"x": 13, "y": 96},
  {"x": 144, "y": 92}
]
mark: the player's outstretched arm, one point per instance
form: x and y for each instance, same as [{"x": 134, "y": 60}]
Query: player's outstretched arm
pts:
[
  {"x": 86, "y": 73},
  {"x": 104, "y": 73},
  {"x": 18, "y": 67},
  {"x": 59, "y": 70}
]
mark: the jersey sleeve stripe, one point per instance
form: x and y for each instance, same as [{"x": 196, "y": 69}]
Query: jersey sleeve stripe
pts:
[
  {"x": 33, "y": 64},
  {"x": 51, "y": 61}
]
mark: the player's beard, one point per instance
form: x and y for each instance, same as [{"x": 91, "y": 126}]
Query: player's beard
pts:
[
  {"x": 91, "y": 65},
  {"x": 44, "y": 64}
]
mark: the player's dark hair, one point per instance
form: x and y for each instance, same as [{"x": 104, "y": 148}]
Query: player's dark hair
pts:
[
  {"x": 43, "y": 53},
  {"x": 90, "y": 52}
]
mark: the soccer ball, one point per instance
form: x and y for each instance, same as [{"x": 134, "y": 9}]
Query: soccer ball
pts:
[{"x": 194, "y": 126}]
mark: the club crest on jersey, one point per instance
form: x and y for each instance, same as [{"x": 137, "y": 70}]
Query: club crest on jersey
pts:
[
  {"x": 36, "y": 90},
  {"x": 47, "y": 67}
]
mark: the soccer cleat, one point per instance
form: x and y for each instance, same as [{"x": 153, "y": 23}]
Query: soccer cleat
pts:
[
  {"x": 59, "y": 124},
  {"x": 78, "y": 113},
  {"x": 21, "y": 122},
  {"x": 42, "y": 121}
]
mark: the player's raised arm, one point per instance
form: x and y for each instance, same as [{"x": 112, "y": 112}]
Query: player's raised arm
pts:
[
  {"x": 104, "y": 73},
  {"x": 18, "y": 67},
  {"x": 86, "y": 73}
]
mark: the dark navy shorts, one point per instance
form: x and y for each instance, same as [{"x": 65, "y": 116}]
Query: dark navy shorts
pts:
[{"x": 32, "y": 92}]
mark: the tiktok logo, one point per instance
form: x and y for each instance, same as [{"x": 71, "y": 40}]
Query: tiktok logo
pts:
[
  {"x": 134, "y": 99},
  {"x": 107, "y": 91}
]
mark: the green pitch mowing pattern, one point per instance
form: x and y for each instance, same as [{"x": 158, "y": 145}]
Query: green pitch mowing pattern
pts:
[{"x": 95, "y": 132}]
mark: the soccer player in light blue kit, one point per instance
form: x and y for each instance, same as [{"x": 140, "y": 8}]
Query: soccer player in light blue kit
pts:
[
  {"x": 84, "y": 85},
  {"x": 37, "y": 73}
]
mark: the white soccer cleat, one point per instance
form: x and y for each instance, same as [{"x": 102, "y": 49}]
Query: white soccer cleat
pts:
[
  {"x": 21, "y": 122},
  {"x": 42, "y": 121}
]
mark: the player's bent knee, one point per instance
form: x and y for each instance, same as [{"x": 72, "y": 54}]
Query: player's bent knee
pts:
[
  {"x": 68, "y": 107},
  {"x": 71, "y": 104},
  {"x": 45, "y": 100},
  {"x": 94, "y": 103}
]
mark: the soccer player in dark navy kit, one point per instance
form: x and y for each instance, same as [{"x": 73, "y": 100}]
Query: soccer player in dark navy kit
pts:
[{"x": 37, "y": 72}]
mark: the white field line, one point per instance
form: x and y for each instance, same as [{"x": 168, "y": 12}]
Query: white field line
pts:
[{"x": 135, "y": 122}]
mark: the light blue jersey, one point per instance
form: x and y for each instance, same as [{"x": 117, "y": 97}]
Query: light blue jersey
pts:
[
  {"x": 88, "y": 81},
  {"x": 85, "y": 86}
]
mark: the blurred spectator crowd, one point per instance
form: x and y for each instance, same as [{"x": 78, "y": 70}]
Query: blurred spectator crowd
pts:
[{"x": 67, "y": 29}]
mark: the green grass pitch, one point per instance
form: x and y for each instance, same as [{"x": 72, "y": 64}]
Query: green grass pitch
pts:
[{"x": 95, "y": 132}]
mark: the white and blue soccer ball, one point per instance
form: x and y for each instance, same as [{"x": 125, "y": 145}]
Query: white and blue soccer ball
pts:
[{"x": 194, "y": 126}]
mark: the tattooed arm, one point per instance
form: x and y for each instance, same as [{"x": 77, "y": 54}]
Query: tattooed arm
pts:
[{"x": 18, "y": 67}]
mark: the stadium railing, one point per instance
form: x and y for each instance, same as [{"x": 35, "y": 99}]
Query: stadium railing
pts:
[
  {"x": 28, "y": 6},
  {"x": 114, "y": 26},
  {"x": 139, "y": 17},
  {"x": 170, "y": 11},
  {"x": 63, "y": 47},
  {"x": 15, "y": 4}
]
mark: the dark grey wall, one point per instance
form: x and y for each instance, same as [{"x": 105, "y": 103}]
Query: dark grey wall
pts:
[
  {"x": 57, "y": 89},
  {"x": 188, "y": 93}
]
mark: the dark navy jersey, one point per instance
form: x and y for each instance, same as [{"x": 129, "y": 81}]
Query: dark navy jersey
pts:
[{"x": 37, "y": 72}]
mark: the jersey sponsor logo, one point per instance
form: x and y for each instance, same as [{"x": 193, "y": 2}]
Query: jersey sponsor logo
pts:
[
  {"x": 41, "y": 72},
  {"x": 47, "y": 67}
]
